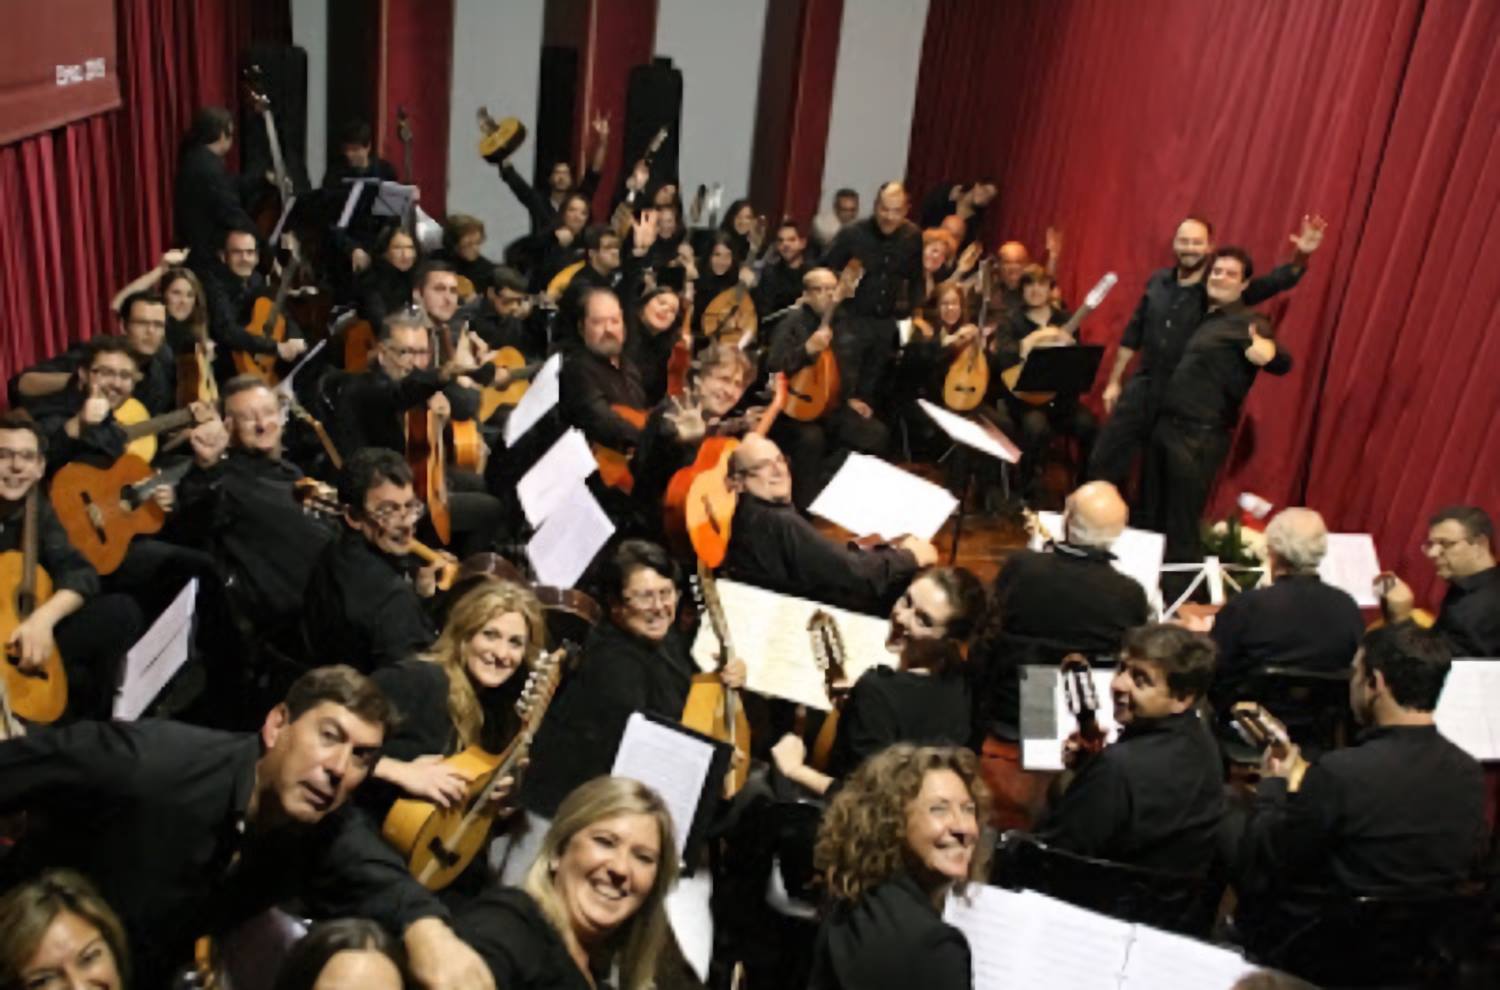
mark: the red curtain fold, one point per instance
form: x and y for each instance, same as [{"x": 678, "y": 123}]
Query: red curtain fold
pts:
[
  {"x": 87, "y": 207},
  {"x": 1114, "y": 121}
]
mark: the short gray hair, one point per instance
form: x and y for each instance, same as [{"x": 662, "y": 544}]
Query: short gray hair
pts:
[{"x": 1299, "y": 539}]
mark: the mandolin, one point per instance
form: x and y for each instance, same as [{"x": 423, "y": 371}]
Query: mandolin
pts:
[
  {"x": 268, "y": 319},
  {"x": 1066, "y": 336},
  {"x": 103, "y": 509},
  {"x": 712, "y": 708},
  {"x": 498, "y": 140},
  {"x": 41, "y": 696},
  {"x": 319, "y": 497},
  {"x": 828, "y": 654},
  {"x": 614, "y": 466},
  {"x": 968, "y": 377},
  {"x": 815, "y": 389},
  {"x": 730, "y": 317},
  {"x": 440, "y": 843}
]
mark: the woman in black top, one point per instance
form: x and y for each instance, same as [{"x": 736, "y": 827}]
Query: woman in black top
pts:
[
  {"x": 592, "y": 901},
  {"x": 718, "y": 271},
  {"x": 346, "y": 952},
  {"x": 655, "y": 328},
  {"x": 386, "y": 286},
  {"x": 900, "y": 835},
  {"x": 925, "y": 699}
]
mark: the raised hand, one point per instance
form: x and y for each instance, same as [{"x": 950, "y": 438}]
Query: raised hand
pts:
[
  {"x": 686, "y": 417},
  {"x": 970, "y": 256},
  {"x": 1054, "y": 241},
  {"x": 600, "y": 125},
  {"x": 1261, "y": 350},
  {"x": 175, "y": 258},
  {"x": 1310, "y": 235},
  {"x": 646, "y": 229}
]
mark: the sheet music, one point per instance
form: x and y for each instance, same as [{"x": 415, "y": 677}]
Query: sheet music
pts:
[
  {"x": 540, "y": 397},
  {"x": 284, "y": 387},
  {"x": 869, "y": 497},
  {"x": 769, "y": 632},
  {"x": 542, "y": 489},
  {"x": 971, "y": 434},
  {"x": 692, "y": 921},
  {"x": 1138, "y": 552},
  {"x": 393, "y": 199},
  {"x": 1026, "y": 939},
  {"x": 157, "y": 656},
  {"x": 1352, "y": 564},
  {"x": 1468, "y": 710},
  {"x": 1045, "y": 752},
  {"x": 565, "y": 545},
  {"x": 674, "y": 764},
  {"x": 1163, "y": 961}
]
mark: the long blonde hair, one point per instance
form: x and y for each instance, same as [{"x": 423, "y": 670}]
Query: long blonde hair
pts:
[
  {"x": 469, "y": 614},
  {"x": 639, "y": 940}
]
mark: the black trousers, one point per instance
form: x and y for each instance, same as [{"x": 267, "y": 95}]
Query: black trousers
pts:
[
  {"x": 1125, "y": 434},
  {"x": 1181, "y": 466},
  {"x": 93, "y": 641}
]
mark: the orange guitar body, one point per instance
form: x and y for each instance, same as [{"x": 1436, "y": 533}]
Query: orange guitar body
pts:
[
  {"x": 705, "y": 712},
  {"x": 683, "y": 509},
  {"x": 468, "y": 446},
  {"x": 614, "y": 466},
  {"x": 425, "y": 454},
  {"x": 359, "y": 344},
  {"x": 90, "y": 506},
  {"x": 263, "y": 365},
  {"x": 493, "y": 398},
  {"x": 968, "y": 378},
  {"x": 36, "y": 699}
]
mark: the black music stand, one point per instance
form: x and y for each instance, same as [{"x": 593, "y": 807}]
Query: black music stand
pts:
[{"x": 1068, "y": 371}]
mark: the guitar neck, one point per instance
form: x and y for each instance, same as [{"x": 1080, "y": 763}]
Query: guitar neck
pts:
[
  {"x": 158, "y": 424},
  {"x": 29, "y": 553},
  {"x": 1071, "y": 327},
  {"x": 278, "y": 164}
]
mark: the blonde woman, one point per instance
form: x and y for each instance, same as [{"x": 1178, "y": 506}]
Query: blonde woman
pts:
[
  {"x": 56, "y": 931},
  {"x": 592, "y": 903},
  {"x": 901, "y": 834}
]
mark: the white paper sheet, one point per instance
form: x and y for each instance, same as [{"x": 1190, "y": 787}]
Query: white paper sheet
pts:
[
  {"x": 1028, "y": 940},
  {"x": 555, "y": 474},
  {"x": 1163, "y": 961},
  {"x": 566, "y": 543},
  {"x": 539, "y": 398},
  {"x": 1138, "y": 552},
  {"x": 157, "y": 655},
  {"x": 984, "y": 438},
  {"x": 673, "y": 764},
  {"x": 869, "y": 497},
  {"x": 1046, "y": 754},
  {"x": 769, "y": 632},
  {"x": 692, "y": 921},
  {"x": 1352, "y": 564},
  {"x": 1468, "y": 710},
  {"x": 393, "y": 199}
]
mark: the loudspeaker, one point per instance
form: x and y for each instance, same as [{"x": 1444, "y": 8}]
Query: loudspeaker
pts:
[
  {"x": 283, "y": 79},
  {"x": 552, "y": 137},
  {"x": 653, "y": 100}
]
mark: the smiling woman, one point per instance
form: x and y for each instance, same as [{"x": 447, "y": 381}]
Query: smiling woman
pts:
[{"x": 56, "y": 931}]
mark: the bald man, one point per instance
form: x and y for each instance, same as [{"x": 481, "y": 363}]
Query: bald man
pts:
[
  {"x": 1065, "y": 598},
  {"x": 774, "y": 546}
]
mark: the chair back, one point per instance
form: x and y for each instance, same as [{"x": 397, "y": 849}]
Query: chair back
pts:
[{"x": 1312, "y": 704}]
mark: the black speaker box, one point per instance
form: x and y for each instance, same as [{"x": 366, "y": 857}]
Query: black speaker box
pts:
[{"x": 653, "y": 100}]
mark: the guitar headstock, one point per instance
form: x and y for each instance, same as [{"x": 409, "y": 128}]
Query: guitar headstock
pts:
[
  {"x": 317, "y": 497},
  {"x": 255, "y": 89},
  {"x": 827, "y": 646},
  {"x": 1078, "y": 684},
  {"x": 541, "y": 685},
  {"x": 1100, "y": 290}
]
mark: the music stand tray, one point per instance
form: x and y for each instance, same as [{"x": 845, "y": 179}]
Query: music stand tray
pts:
[{"x": 1063, "y": 370}]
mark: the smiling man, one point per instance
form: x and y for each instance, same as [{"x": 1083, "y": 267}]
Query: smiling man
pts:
[
  {"x": 1155, "y": 797},
  {"x": 191, "y": 830},
  {"x": 1461, "y": 546}
]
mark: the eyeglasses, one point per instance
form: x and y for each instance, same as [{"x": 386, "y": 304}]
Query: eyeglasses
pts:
[
  {"x": 411, "y": 352},
  {"x": 759, "y": 466},
  {"x": 150, "y": 324},
  {"x": 117, "y": 374},
  {"x": 645, "y": 599},
  {"x": 388, "y": 512},
  {"x": 19, "y": 456},
  {"x": 1440, "y": 545}
]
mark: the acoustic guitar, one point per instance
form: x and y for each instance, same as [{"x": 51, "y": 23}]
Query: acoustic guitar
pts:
[
  {"x": 1262, "y": 731},
  {"x": 42, "y": 696},
  {"x": 141, "y": 427},
  {"x": 103, "y": 509},
  {"x": 828, "y": 654},
  {"x": 614, "y": 465},
  {"x": 495, "y": 398},
  {"x": 624, "y": 213},
  {"x": 440, "y": 843},
  {"x": 1066, "y": 336},
  {"x": 319, "y": 497},
  {"x": 1082, "y": 700},
  {"x": 968, "y": 377},
  {"x": 268, "y": 319},
  {"x": 712, "y": 708},
  {"x": 815, "y": 389}
]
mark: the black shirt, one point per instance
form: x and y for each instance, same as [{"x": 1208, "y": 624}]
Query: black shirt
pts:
[
  {"x": 780, "y": 286},
  {"x": 788, "y": 340},
  {"x": 619, "y": 674},
  {"x": 591, "y": 384},
  {"x": 890, "y": 939},
  {"x": 1297, "y": 622},
  {"x": 1402, "y": 812},
  {"x": 774, "y": 547},
  {"x": 361, "y": 607},
  {"x": 538, "y": 203},
  {"x": 1213, "y": 377},
  {"x": 154, "y": 812},
  {"x": 1071, "y": 600},
  {"x": 68, "y": 569},
  {"x": 383, "y": 289},
  {"x": 1470, "y": 619},
  {"x": 372, "y": 406},
  {"x": 893, "y": 281},
  {"x": 231, "y": 301},
  {"x": 524, "y": 952},
  {"x": 1153, "y": 799},
  {"x": 888, "y": 706},
  {"x": 206, "y": 201}
]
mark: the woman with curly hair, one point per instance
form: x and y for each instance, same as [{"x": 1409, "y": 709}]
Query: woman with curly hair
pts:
[
  {"x": 56, "y": 931},
  {"x": 593, "y": 900},
  {"x": 901, "y": 834}
]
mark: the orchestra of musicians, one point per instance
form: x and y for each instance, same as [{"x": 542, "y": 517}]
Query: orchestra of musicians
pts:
[{"x": 389, "y": 750}]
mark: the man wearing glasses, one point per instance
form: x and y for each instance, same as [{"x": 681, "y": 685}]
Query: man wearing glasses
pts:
[
  {"x": 1461, "y": 545},
  {"x": 367, "y": 599}
]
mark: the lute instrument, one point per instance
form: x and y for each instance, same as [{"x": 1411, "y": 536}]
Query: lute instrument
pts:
[
  {"x": 1082, "y": 700},
  {"x": 968, "y": 377},
  {"x": 41, "y": 696},
  {"x": 815, "y": 389},
  {"x": 1065, "y": 336}
]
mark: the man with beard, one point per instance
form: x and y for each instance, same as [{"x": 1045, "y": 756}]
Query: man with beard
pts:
[
  {"x": 780, "y": 283},
  {"x": 1169, "y": 311},
  {"x": 598, "y": 376}
]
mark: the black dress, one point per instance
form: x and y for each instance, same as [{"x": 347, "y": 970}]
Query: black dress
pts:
[
  {"x": 890, "y": 939},
  {"x": 888, "y": 706},
  {"x": 524, "y": 952}
]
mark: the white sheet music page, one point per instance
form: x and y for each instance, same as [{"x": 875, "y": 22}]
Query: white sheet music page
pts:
[
  {"x": 673, "y": 764},
  {"x": 540, "y": 397},
  {"x": 1046, "y": 754},
  {"x": 869, "y": 497},
  {"x": 542, "y": 489},
  {"x": 574, "y": 532},
  {"x": 1468, "y": 710},
  {"x": 157, "y": 655},
  {"x": 987, "y": 440},
  {"x": 769, "y": 632},
  {"x": 1163, "y": 961},
  {"x": 1352, "y": 564},
  {"x": 1026, "y": 939}
]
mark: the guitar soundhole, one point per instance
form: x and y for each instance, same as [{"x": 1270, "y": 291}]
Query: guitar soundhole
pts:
[{"x": 441, "y": 853}]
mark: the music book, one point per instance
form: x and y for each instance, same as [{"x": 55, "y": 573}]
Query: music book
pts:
[
  {"x": 975, "y": 433},
  {"x": 1468, "y": 710},
  {"x": 1026, "y": 939},
  {"x": 574, "y": 531},
  {"x": 566, "y": 463},
  {"x": 1046, "y": 721},
  {"x": 870, "y": 497},
  {"x": 1352, "y": 564},
  {"x": 684, "y": 767},
  {"x": 158, "y": 655},
  {"x": 540, "y": 397},
  {"x": 769, "y": 632}
]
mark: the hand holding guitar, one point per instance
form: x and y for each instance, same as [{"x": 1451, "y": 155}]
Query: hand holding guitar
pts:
[
  {"x": 430, "y": 778},
  {"x": 209, "y": 440},
  {"x": 32, "y": 643},
  {"x": 427, "y": 575},
  {"x": 734, "y": 673},
  {"x": 819, "y": 341}
]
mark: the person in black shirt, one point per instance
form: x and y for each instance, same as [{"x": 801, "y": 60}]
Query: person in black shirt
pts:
[
  {"x": 593, "y": 900},
  {"x": 546, "y": 253},
  {"x": 1200, "y": 406},
  {"x": 207, "y": 200},
  {"x": 598, "y": 376},
  {"x": 1399, "y": 813},
  {"x": 1461, "y": 545},
  {"x": 601, "y": 270},
  {"x": 1296, "y": 622},
  {"x": 1154, "y": 798},
  {"x": 1066, "y": 599},
  {"x": 190, "y": 831},
  {"x": 233, "y": 285},
  {"x": 1164, "y": 320},
  {"x": 902, "y": 833},
  {"x": 967, "y": 202},
  {"x": 780, "y": 284},
  {"x": 773, "y": 546},
  {"x": 507, "y": 318},
  {"x": 463, "y": 239},
  {"x": 354, "y": 244},
  {"x": 544, "y": 204},
  {"x": 388, "y": 284},
  {"x": 364, "y": 603},
  {"x": 90, "y": 631}
]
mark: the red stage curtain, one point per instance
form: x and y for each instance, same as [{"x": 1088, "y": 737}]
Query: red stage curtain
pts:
[
  {"x": 1116, "y": 120},
  {"x": 87, "y": 207}
]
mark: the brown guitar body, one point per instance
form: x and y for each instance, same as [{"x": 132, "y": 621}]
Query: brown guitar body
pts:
[
  {"x": 730, "y": 315},
  {"x": 425, "y": 454},
  {"x": 36, "y": 699},
  {"x": 436, "y": 843},
  {"x": 822, "y": 748},
  {"x": 968, "y": 379},
  {"x": 97, "y": 519},
  {"x": 465, "y": 288},
  {"x": 500, "y": 138},
  {"x": 614, "y": 466},
  {"x": 195, "y": 377},
  {"x": 468, "y": 446},
  {"x": 814, "y": 390},
  {"x": 705, "y": 711},
  {"x": 491, "y": 399},
  {"x": 359, "y": 344},
  {"x": 684, "y": 510},
  {"x": 263, "y": 365}
]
